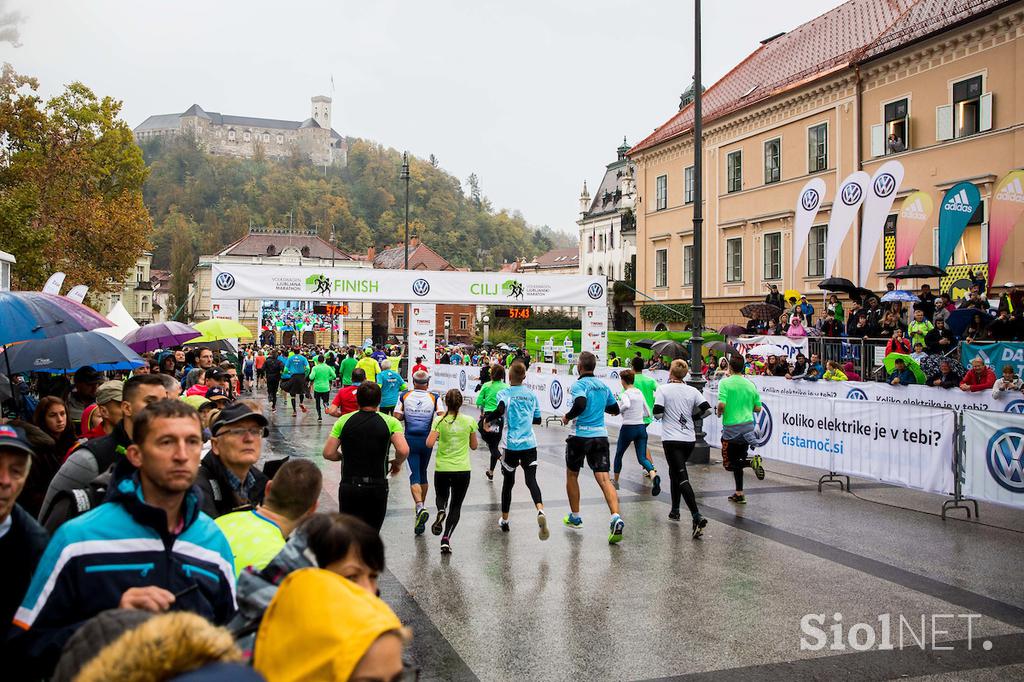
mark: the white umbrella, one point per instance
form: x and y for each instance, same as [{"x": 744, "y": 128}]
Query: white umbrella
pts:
[
  {"x": 767, "y": 349},
  {"x": 124, "y": 323}
]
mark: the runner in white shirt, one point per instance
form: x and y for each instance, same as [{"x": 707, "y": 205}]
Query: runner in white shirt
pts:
[
  {"x": 676, "y": 404},
  {"x": 634, "y": 411}
]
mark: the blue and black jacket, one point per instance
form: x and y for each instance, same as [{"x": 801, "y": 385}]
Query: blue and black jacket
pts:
[{"x": 93, "y": 559}]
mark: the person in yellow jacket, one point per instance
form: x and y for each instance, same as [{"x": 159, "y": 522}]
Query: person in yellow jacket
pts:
[
  {"x": 320, "y": 626},
  {"x": 833, "y": 372},
  {"x": 369, "y": 365}
]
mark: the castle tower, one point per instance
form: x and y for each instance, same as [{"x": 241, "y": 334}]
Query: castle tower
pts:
[
  {"x": 321, "y": 106},
  {"x": 584, "y": 199}
]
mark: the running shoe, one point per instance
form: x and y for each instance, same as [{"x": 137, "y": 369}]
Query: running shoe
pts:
[
  {"x": 303, "y": 408},
  {"x": 656, "y": 490},
  {"x": 421, "y": 521},
  {"x": 319, "y": 418},
  {"x": 698, "y": 526},
  {"x": 674, "y": 514},
  {"x": 438, "y": 524},
  {"x": 615, "y": 528},
  {"x": 489, "y": 474},
  {"x": 755, "y": 464},
  {"x": 446, "y": 546},
  {"x": 573, "y": 521},
  {"x": 503, "y": 525},
  {"x": 542, "y": 521},
  {"x": 738, "y": 499}
]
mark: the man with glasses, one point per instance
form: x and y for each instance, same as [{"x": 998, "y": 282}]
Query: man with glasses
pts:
[{"x": 228, "y": 476}]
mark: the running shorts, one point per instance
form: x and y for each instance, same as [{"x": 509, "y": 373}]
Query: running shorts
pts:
[
  {"x": 734, "y": 452},
  {"x": 594, "y": 450},
  {"x": 516, "y": 458}
]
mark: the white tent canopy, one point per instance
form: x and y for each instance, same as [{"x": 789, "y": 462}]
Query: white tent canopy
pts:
[{"x": 124, "y": 324}]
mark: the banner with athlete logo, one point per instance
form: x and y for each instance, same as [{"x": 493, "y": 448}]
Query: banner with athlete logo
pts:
[
  {"x": 915, "y": 215},
  {"x": 956, "y": 209},
  {"x": 994, "y": 457},
  {"x": 848, "y": 199},
  {"x": 1007, "y": 207},
  {"x": 807, "y": 204},
  {"x": 885, "y": 183}
]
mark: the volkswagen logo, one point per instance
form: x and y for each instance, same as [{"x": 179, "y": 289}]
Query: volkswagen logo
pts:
[
  {"x": 555, "y": 393},
  {"x": 762, "y": 426},
  {"x": 1004, "y": 458},
  {"x": 421, "y": 287},
  {"x": 614, "y": 374},
  {"x": 856, "y": 394},
  {"x": 809, "y": 199},
  {"x": 225, "y": 281},
  {"x": 595, "y": 291},
  {"x": 462, "y": 380},
  {"x": 851, "y": 193},
  {"x": 1015, "y": 406},
  {"x": 885, "y": 184}
]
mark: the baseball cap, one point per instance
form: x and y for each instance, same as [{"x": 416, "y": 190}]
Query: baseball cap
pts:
[
  {"x": 237, "y": 412},
  {"x": 12, "y": 438},
  {"x": 87, "y": 375},
  {"x": 216, "y": 374},
  {"x": 217, "y": 393},
  {"x": 109, "y": 391}
]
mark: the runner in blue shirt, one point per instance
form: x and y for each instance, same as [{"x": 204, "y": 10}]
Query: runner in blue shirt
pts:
[
  {"x": 391, "y": 384},
  {"x": 590, "y": 400},
  {"x": 521, "y": 410},
  {"x": 417, "y": 409},
  {"x": 297, "y": 367}
]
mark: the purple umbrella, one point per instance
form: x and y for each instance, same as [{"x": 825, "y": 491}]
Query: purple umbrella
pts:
[
  {"x": 160, "y": 335},
  {"x": 27, "y": 315}
]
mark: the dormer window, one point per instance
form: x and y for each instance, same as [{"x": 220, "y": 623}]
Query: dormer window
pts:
[
  {"x": 305, "y": 252},
  {"x": 247, "y": 136}
]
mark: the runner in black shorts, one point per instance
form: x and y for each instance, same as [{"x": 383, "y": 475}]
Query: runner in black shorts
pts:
[{"x": 738, "y": 400}]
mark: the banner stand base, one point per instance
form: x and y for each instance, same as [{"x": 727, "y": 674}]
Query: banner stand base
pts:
[
  {"x": 959, "y": 503},
  {"x": 833, "y": 477}
]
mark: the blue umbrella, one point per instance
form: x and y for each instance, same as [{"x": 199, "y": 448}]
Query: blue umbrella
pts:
[
  {"x": 28, "y": 315},
  {"x": 71, "y": 351},
  {"x": 900, "y": 295},
  {"x": 958, "y": 320}
]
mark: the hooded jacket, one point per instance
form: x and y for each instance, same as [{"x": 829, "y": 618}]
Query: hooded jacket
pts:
[
  {"x": 318, "y": 627},
  {"x": 93, "y": 559}
]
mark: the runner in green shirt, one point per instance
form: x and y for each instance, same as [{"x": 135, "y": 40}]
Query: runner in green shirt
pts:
[
  {"x": 487, "y": 401},
  {"x": 454, "y": 434},
  {"x": 738, "y": 400},
  {"x": 347, "y": 365},
  {"x": 321, "y": 375}
]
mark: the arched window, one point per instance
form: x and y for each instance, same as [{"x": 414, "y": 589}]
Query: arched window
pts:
[
  {"x": 271, "y": 250},
  {"x": 660, "y": 327},
  {"x": 231, "y": 135},
  {"x": 600, "y": 270},
  {"x": 590, "y": 271}
]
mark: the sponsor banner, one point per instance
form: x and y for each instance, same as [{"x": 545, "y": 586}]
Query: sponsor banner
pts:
[
  {"x": 223, "y": 310},
  {"x": 54, "y": 284},
  {"x": 885, "y": 183},
  {"x": 422, "y": 334},
  {"x": 404, "y": 286},
  {"x": 1007, "y": 206},
  {"x": 594, "y": 335},
  {"x": 848, "y": 199},
  {"x": 914, "y": 217},
  {"x": 78, "y": 293},
  {"x": 807, "y": 204},
  {"x": 792, "y": 346},
  {"x": 995, "y": 355},
  {"x": 462, "y": 377},
  {"x": 956, "y": 209},
  {"x": 993, "y": 459}
]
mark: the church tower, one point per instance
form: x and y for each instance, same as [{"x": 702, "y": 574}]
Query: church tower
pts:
[{"x": 321, "y": 105}]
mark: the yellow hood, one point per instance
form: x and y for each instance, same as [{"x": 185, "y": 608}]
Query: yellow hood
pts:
[{"x": 317, "y": 627}]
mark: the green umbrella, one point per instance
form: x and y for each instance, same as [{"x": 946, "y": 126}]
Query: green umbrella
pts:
[
  {"x": 912, "y": 365},
  {"x": 217, "y": 329}
]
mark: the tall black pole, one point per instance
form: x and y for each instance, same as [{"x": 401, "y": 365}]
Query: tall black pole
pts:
[
  {"x": 701, "y": 451},
  {"x": 405, "y": 307}
]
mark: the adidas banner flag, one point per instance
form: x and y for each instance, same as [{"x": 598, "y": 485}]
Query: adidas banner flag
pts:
[
  {"x": 885, "y": 183},
  {"x": 848, "y": 199},
  {"x": 807, "y": 205},
  {"x": 54, "y": 284},
  {"x": 959, "y": 204},
  {"x": 1007, "y": 206},
  {"x": 914, "y": 217}
]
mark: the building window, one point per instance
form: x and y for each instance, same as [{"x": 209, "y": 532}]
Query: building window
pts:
[
  {"x": 247, "y": 136},
  {"x": 266, "y": 137},
  {"x": 463, "y": 322},
  {"x": 590, "y": 243},
  {"x": 816, "y": 251},
  {"x": 817, "y": 148},
  {"x": 773, "y": 255},
  {"x": 140, "y": 272},
  {"x": 661, "y": 268},
  {"x": 772, "y": 161},
  {"x": 400, "y": 320},
  {"x": 590, "y": 270},
  {"x": 688, "y": 185},
  {"x": 600, "y": 270},
  {"x": 897, "y": 127},
  {"x": 661, "y": 192},
  {"x": 231, "y": 135},
  {"x": 967, "y": 107},
  {"x": 734, "y": 171},
  {"x": 280, "y": 139},
  {"x": 734, "y": 259},
  {"x": 688, "y": 265},
  {"x": 144, "y": 305},
  {"x": 447, "y": 321}
]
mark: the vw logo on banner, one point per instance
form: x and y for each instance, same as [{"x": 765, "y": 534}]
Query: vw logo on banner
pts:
[
  {"x": 762, "y": 426},
  {"x": 850, "y": 193},
  {"x": 462, "y": 380},
  {"x": 856, "y": 394},
  {"x": 809, "y": 200},
  {"x": 555, "y": 393},
  {"x": 1015, "y": 406},
  {"x": 614, "y": 374},
  {"x": 421, "y": 287},
  {"x": 885, "y": 184},
  {"x": 1005, "y": 458},
  {"x": 595, "y": 291},
  {"x": 225, "y": 281}
]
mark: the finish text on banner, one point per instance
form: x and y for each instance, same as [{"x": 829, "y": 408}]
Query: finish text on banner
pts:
[{"x": 994, "y": 457}]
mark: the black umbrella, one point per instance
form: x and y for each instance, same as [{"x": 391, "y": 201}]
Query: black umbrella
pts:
[
  {"x": 732, "y": 330},
  {"x": 915, "y": 271},
  {"x": 645, "y": 343},
  {"x": 837, "y": 284},
  {"x": 673, "y": 349},
  {"x": 760, "y": 311},
  {"x": 861, "y": 294},
  {"x": 721, "y": 347}
]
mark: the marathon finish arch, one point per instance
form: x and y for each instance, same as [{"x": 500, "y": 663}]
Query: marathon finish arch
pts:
[{"x": 405, "y": 286}]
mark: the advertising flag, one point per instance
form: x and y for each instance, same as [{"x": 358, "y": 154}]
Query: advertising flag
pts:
[
  {"x": 882, "y": 193},
  {"x": 78, "y": 293},
  {"x": 807, "y": 205},
  {"x": 850, "y": 196},
  {"x": 54, "y": 284},
  {"x": 1007, "y": 205},
  {"x": 959, "y": 204},
  {"x": 914, "y": 216}
]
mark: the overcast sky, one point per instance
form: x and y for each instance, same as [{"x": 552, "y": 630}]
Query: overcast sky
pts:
[{"x": 533, "y": 97}]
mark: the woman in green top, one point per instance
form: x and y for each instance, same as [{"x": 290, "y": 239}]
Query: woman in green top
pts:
[
  {"x": 487, "y": 401},
  {"x": 454, "y": 434},
  {"x": 321, "y": 374}
]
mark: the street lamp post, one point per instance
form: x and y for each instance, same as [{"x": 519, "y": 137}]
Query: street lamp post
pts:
[
  {"x": 405, "y": 307},
  {"x": 487, "y": 329},
  {"x": 447, "y": 326},
  {"x": 701, "y": 451}
]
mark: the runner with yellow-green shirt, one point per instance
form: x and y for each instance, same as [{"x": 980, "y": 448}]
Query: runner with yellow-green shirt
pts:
[
  {"x": 487, "y": 401},
  {"x": 346, "y": 367},
  {"x": 647, "y": 387},
  {"x": 738, "y": 400},
  {"x": 321, "y": 374},
  {"x": 454, "y": 435}
]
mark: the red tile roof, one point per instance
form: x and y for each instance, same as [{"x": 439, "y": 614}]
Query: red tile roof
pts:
[
  {"x": 256, "y": 244},
  {"x": 558, "y": 258},
  {"x": 421, "y": 257},
  {"x": 851, "y": 33}
]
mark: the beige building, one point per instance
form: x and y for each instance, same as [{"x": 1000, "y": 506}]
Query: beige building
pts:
[
  {"x": 136, "y": 293},
  {"x": 942, "y": 79}
]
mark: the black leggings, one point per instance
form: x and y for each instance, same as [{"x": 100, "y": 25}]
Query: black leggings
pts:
[
  {"x": 322, "y": 397},
  {"x": 272, "y": 387},
  {"x": 456, "y": 483},
  {"x": 492, "y": 439},
  {"x": 677, "y": 452},
  {"x": 734, "y": 459},
  {"x": 367, "y": 501},
  {"x": 526, "y": 459}
]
